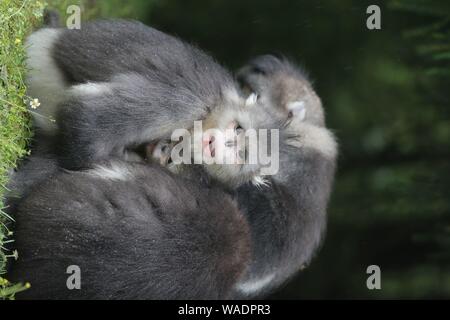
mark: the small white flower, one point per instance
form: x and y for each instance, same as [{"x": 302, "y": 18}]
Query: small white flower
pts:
[{"x": 34, "y": 103}]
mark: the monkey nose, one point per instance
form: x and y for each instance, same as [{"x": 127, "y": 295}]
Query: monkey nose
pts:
[{"x": 208, "y": 146}]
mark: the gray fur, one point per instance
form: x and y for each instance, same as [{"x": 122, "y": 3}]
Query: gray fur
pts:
[
  {"x": 156, "y": 84},
  {"x": 152, "y": 236},
  {"x": 39, "y": 166},
  {"x": 287, "y": 83},
  {"x": 131, "y": 85},
  {"x": 150, "y": 84},
  {"x": 287, "y": 219}
]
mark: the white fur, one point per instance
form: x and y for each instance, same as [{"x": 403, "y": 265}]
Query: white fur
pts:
[
  {"x": 114, "y": 172},
  {"x": 90, "y": 89},
  {"x": 314, "y": 137},
  {"x": 259, "y": 181},
  {"x": 232, "y": 97},
  {"x": 44, "y": 80},
  {"x": 298, "y": 109},
  {"x": 253, "y": 286},
  {"x": 251, "y": 100}
]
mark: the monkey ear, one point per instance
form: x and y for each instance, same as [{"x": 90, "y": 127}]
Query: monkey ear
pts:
[
  {"x": 297, "y": 110},
  {"x": 251, "y": 100}
]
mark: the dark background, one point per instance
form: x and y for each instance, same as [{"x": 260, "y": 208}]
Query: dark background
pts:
[{"x": 386, "y": 95}]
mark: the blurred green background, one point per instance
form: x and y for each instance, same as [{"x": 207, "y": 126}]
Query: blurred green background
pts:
[{"x": 386, "y": 94}]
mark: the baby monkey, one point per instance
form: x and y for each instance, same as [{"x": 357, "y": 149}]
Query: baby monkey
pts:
[
  {"x": 287, "y": 217},
  {"x": 279, "y": 96}
]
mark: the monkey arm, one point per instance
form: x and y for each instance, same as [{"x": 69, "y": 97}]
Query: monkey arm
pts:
[
  {"x": 100, "y": 120},
  {"x": 103, "y": 49}
]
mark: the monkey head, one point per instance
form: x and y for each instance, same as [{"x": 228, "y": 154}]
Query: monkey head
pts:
[
  {"x": 228, "y": 143},
  {"x": 283, "y": 86}
]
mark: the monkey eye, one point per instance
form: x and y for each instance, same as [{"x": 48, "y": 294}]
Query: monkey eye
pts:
[
  {"x": 238, "y": 129},
  {"x": 297, "y": 109}
]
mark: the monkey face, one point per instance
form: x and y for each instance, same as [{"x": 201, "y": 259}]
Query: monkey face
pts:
[
  {"x": 160, "y": 152},
  {"x": 226, "y": 143}
]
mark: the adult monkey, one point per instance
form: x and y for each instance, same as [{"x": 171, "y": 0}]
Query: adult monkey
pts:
[
  {"x": 115, "y": 85},
  {"x": 287, "y": 220}
]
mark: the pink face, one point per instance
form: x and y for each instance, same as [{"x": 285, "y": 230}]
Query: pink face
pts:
[
  {"x": 218, "y": 146},
  {"x": 225, "y": 146},
  {"x": 222, "y": 142}
]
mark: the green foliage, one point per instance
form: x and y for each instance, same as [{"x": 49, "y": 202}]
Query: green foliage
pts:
[
  {"x": 386, "y": 96},
  {"x": 422, "y": 7},
  {"x": 90, "y": 9},
  {"x": 16, "y": 18}
]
